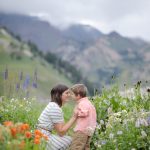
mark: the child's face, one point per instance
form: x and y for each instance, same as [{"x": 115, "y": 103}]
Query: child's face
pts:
[{"x": 77, "y": 97}]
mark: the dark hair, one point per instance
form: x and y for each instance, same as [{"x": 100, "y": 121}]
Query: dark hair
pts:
[
  {"x": 56, "y": 93},
  {"x": 80, "y": 89}
]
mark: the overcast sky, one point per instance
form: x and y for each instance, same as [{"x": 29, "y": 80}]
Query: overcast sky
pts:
[{"x": 128, "y": 17}]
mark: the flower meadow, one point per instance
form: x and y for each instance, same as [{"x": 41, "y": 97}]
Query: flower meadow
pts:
[{"x": 123, "y": 121}]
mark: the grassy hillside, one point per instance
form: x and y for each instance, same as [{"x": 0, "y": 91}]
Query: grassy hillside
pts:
[{"x": 16, "y": 57}]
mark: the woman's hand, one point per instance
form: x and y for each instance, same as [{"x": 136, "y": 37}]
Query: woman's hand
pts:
[
  {"x": 75, "y": 113},
  {"x": 62, "y": 128}
]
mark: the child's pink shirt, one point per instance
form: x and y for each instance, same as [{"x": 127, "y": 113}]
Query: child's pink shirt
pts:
[{"x": 86, "y": 121}]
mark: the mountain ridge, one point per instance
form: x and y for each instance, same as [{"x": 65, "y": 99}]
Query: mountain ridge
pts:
[{"x": 96, "y": 55}]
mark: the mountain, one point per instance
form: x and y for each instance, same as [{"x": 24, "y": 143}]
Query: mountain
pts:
[
  {"x": 18, "y": 59},
  {"x": 82, "y": 33},
  {"x": 98, "y": 56},
  {"x": 42, "y": 33}
]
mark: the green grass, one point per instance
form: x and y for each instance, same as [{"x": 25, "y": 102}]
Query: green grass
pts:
[{"x": 47, "y": 75}]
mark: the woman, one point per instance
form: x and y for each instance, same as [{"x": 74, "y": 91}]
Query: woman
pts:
[{"x": 52, "y": 118}]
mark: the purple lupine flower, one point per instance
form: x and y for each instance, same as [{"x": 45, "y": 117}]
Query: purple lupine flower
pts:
[
  {"x": 26, "y": 82},
  {"x": 6, "y": 74},
  {"x": 17, "y": 86},
  {"x": 148, "y": 120},
  {"x": 34, "y": 84},
  {"x": 21, "y": 75},
  {"x": 35, "y": 75}
]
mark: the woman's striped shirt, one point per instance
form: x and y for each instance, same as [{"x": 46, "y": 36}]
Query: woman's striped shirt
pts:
[{"x": 53, "y": 114}]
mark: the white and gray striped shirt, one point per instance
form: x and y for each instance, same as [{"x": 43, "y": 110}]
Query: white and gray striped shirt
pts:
[{"x": 53, "y": 114}]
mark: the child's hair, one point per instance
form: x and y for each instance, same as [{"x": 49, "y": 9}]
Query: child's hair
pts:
[
  {"x": 56, "y": 93},
  {"x": 79, "y": 89}
]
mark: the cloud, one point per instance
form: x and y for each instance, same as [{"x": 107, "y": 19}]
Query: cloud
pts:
[{"x": 129, "y": 17}]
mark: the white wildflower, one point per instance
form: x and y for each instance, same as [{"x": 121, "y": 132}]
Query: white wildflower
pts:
[
  {"x": 108, "y": 125},
  {"x": 137, "y": 123},
  {"x": 103, "y": 142},
  {"x": 99, "y": 146},
  {"x": 109, "y": 110},
  {"x": 102, "y": 122},
  {"x": 143, "y": 133},
  {"x": 109, "y": 96},
  {"x": 141, "y": 121},
  {"x": 119, "y": 132},
  {"x": 111, "y": 135},
  {"x": 107, "y": 102},
  {"x": 124, "y": 111},
  {"x": 124, "y": 103},
  {"x": 125, "y": 121},
  {"x": 98, "y": 126}
]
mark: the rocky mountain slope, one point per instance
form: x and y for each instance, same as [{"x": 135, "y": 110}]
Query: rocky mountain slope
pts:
[{"x": 98, "y": 56}]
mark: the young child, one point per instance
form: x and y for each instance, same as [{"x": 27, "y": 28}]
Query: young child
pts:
[{"x": 86, "y": 121}]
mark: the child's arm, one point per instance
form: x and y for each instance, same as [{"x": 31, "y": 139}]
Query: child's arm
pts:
[{"x": 83, "y": 110}]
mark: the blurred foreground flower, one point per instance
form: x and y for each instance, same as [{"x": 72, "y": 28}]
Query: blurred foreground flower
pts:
[{"x": 18, "y": 135}]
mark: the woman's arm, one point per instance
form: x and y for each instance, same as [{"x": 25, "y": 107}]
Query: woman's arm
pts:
[{"x": 62, "y": 128}]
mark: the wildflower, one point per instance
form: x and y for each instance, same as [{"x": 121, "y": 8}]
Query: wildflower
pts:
[
  {"x": 143, "y": 122},
  {"x": 13, "y": 131},
  {"x": 28, "y": 134},
  {"x": 108, "y": 125},
  {"x": 103, "y": 142},
  {"x": 26, "y": 82},
  {"x": 35, "y": 75},
  {"x": 109, "y": 110},
  {"x": 17, "y": 86},
  {"x": 8, "y": 123},
  {"x": 111, "y": 135},
  {"x": 102, "y": 122},
  {"x": 36, "y": 141},
  {"x": 106, "y": 102},
  {"x": 38, "y": 132},
  {"x": 143, "y": 133},
  {"x": 137, "y": 123},
  {"x": 24, "y": 127},
  {"x": 99, "y": 146},
  {"x": 98, "y": 126},
  {"x": 21, "y": 75},
  {"x": 6, "y": 74},
  {"x": 124, "y": 111},
  {"x": 119, "y": 132},
  {"x": 34, "y": 84},
  {"x": 148, "y": 120}
]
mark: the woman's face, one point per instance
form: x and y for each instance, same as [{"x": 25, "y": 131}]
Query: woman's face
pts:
[{"x": 66, "y": 96}]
